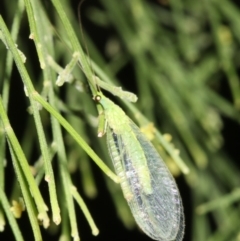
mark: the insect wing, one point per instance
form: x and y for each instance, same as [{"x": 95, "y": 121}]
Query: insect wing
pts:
[
  {"x": 118, "y": 154},
  {"x": 160, "y": 213},
  {"x": 165, "y": 211}
]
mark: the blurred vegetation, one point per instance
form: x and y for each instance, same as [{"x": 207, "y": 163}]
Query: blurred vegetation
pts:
[{"x": 181, "y": 58}]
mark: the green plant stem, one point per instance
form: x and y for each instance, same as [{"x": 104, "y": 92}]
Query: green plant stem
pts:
[
  {"x": 39, "y": 165},
  {"x": 84, "y": 208},
  {"x": 12, "y": 221},
  {"x": 224, "y": 55},
  {"x": 31, "y": 210},
  {"x": 24, "y": 165},
  {"x": 76, "y": 136},
  {"x": 6, "y": 86},
  {"x": 47, "y": 45},
  {"x": 223, "y": 201},
  {"x": 43, "y": 144},
  {"x": 34, "y": 33},
  {"x": 75, "y": 45},
  {"x": 64, "y": 172},
  {"x": 65, "y": 75}
]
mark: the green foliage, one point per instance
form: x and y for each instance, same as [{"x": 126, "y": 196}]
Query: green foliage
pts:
[{"x": 182, "y": 53}]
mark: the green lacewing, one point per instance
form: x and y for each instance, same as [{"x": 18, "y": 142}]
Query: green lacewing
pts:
[{"x": 147, "y": 185}]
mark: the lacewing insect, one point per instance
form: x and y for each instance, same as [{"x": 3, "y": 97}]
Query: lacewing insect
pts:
[{"x": 147, "y": 185}]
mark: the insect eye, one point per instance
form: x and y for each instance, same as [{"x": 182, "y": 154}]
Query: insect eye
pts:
[{"x": 97, "y": 98}]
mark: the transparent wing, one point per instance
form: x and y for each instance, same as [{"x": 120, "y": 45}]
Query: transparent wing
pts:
[
  {"x": 159, "y": 213},
  {"x": 165, "y": 200}
]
